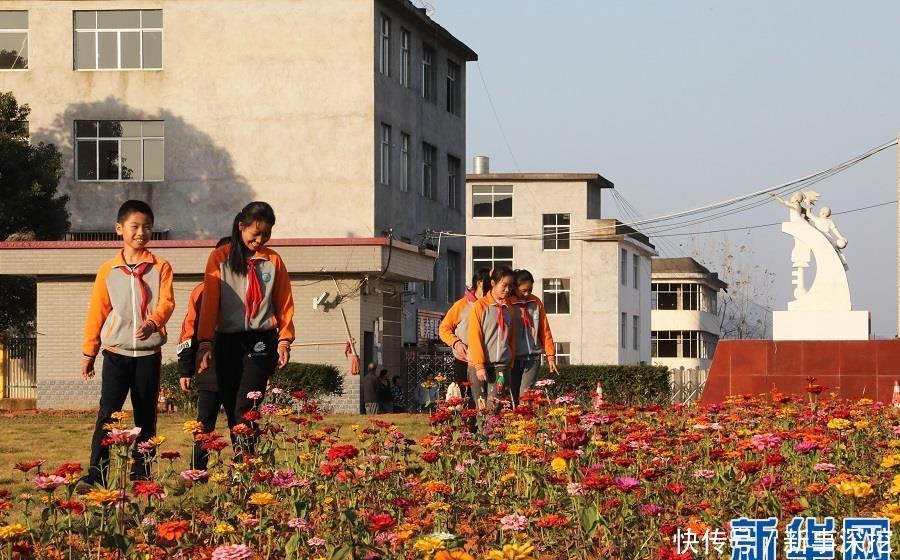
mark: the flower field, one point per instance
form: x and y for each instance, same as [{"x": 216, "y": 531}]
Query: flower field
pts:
[{"x": 560, "y": 477}]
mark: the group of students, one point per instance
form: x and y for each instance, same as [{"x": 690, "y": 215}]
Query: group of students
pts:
[
  {"x": 238, "y": 330},
  {"x": 498, "y": 331}
]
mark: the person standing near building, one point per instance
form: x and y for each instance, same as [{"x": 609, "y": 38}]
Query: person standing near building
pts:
[
  {"x": 131, "y": 303},
  {"x": 385, "y": 396},
  {"x": 454, "y": 326},
  {"x": 398, "y": 395},
  {"x": 492, "y": 340},
  {"x": 208, "y": 400},
  {"x": 248, "y": 309},
  {"x": 369, "y": 386},
  {"x": 533, "y": 336}
]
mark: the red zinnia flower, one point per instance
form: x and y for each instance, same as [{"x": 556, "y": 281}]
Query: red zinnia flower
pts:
[
  {"x": 173, "y": 530},
  {"x": 381, "y": 522},
  {"x": 68, "y": 468},
  {"x": 343, "y": 452},
  {"x": 171, "y": 455},
  {"x": 430, "y": 456},
  {"x": 252, "y": 415},
  {"x": 76, "y": 508},
  {"x": 144, "y": 489},
  {"x": 552, "y": 520}
]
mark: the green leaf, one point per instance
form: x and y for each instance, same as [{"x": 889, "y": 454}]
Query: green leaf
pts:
[{"x": 589, "y": 519}]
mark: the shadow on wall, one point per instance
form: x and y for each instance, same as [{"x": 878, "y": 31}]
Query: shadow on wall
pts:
[{"x": 200, "y": 192}]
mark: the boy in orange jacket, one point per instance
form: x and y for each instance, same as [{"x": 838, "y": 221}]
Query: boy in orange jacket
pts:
[{"x": 131, "y": 303}]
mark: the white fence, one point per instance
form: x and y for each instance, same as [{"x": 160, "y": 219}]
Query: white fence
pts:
[{"x": 686, "y": 384}]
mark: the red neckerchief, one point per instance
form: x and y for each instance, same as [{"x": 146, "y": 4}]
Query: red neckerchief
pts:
[
  {"x": 138, "y": 273},
  {"x": 470, "y": 296},
  {"x": 254, "y": 295}
]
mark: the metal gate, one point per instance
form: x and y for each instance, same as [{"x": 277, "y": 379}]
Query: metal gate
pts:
[
  {"x": 686, "y": 384},
  {"x": 422, "y": 363},
  {"x": 19, "y": 367}
]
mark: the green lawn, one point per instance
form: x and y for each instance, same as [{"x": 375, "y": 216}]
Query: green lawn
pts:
[{"x": 61, "y": 437}]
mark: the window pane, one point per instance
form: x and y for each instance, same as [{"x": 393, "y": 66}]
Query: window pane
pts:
[
  {"x": 85, "y": 20},
  {"x": 131, "y": 160},
  {"x": 130, "y": 129},
  {"x": 108, "y": 49},
  {"x": 153, "y": 49},
  {"x": 154, "y": 168},
  {"x": 154, "y": 128},
  {"x": 562, "y": 302},
  {"x": 119, "y": 19},
  {"x": 666, "y": 300},
  {"x": 14, "y": 19},
  {"x": 85, "y": 51},
  {"x": 503, "y": 206},
  {"x": 151, "y": 18},
  {"x": 481, "y": 207},
  {"x": 481, "y": 252},
  {"x": 549, "y": 219},
  {"x": 131, "y": 49},
  {"x": 481, "y": 189},
  {"x": 110, "y": 129},
  {"x": 86, "y": 129},
  {"x": 563, "y": 243},
  {"x": 13, "y": 51},
  {"x": 667, "y": 349},
  {"x": 109, "y": 160},
  {"x": 87, "y": 160},
  {"x": 503, "y": 252},
  {"x": 550, "y": 303}
]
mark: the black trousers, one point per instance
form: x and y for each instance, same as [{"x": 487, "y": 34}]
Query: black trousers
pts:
[
  {"x": 208, "y": 405},
  {"x": 244, "y": 363},
  {"x": 460, "y": 371},
  {"x": 121, "y": 375}
]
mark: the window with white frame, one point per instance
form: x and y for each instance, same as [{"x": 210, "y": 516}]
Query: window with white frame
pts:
[
  {"x": 682, "y": 296},
  {"x": 708, "y": 300},
  {"x": 491, "y": 257},
  {"x": 119, "y": 40},
  {"x": 563, "y": 353},
  {"x": 119, "y": 150},
  {"x": 454, "y": 278},
  {"x": 428, "y": 73},
  {"x": 623, "y": 330},
  {"x": 557, "y": 294},
  {"x": 428, "y": 290},
  {"x": 453, "y": 179},
  {"x": 385, "y": 154},
  {"x": 557, "y": 228},
  {"x": 454, "y": 88},
  {"x": 636, "y": 332},
  {"x": 429, "y": 156},
  {"x": 405, "y": 57},
  {"x": 623, "y": 267},
  {"x": 636, "y": 270},
  {"x": 492, "y": 201},
  {"x": 13, "y": 40},
  {"x": 404, "y": 161},
  {"x": 384, "y": 63},
  {"x": 683, "y": 344}
]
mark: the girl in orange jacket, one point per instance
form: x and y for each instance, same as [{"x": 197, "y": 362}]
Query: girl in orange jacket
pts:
[
  {"x": 533, "y": 336},
  {"x": 492, "y": 340},
  {"x": 455, "y": 324}
]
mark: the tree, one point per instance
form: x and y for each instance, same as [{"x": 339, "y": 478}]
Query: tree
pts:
[
  {"x": 30, "y": 207},
  {"x": 745, "y": 308}
]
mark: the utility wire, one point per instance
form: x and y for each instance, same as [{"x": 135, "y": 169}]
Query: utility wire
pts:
[{"x": 497, "y": 117}]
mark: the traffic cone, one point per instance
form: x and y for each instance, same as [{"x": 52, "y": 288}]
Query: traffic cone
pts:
[
  {"x": 598, "y": 398},
  {"x": 895, "y": 398}
]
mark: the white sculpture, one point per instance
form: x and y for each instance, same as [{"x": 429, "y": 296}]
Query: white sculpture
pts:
[{"x": 821, "y": 309}]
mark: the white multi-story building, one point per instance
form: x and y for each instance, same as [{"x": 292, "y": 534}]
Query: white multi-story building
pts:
[
  {"x": 348, "y": 116},
  {"x": 593, "y": 274},
  {"x": 685, "y": 315}
]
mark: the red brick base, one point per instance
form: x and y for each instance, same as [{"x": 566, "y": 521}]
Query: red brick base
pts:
[{"x": 851, "y": 369}]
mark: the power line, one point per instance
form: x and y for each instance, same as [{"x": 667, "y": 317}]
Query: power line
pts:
[{"x": 497, "y": 117}]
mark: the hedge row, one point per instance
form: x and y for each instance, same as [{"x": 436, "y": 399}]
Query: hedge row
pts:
[
  {"x": 317, "y": 380},
  {"x": 629, "y": 384}
]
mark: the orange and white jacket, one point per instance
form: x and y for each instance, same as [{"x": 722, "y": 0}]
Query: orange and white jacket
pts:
[
  {"x": 455, "y": 325},
  {"x": 492, "y": 333},
  {"x": 533, "y": 334},
  {"x": 122, "y": 299},
  {"x": 225, "y": 297}
]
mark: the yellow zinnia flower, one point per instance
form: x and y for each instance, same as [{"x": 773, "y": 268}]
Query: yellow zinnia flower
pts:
[
  {"x": 891, "y": 461},
  {"x": 895, "y": 485},
  {"x": 524, "y": 551},
  {"x": 890, "y": 511},
  {"x": 854, "y": 489},
  {"x": 8, "y": 532},
  {"x": 192, "y": 427},
  {"x": 558, "y": 465},
  {"x": 839, "y": 424},
  {"x": 223, "y": 528},
  {"x": 261, "y": 499},
  {"x": 99, "y": 497},
  {"x": 429, "y": 545}
]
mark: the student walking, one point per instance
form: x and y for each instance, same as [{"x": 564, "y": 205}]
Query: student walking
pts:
[
  {"x": 454, "y": 326},
  {"x": 248, "y": 309},
  {"x": 208, "y": 399},
  {"x": 131, "y": 303},
  {"x": 533, "y": 336},
  {"x": 492, "y": 341}
]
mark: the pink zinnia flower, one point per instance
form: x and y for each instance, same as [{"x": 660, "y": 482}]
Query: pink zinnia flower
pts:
[
  {"x": 254, "y": 395},
  {"x": 704, "y": 473},
  {"x": 513, "y": 522},
  {"x": 651, "y": 510},
  {"x": 123, "y": 437},
  {"x": 48, "y": 482},
  {"x": 299, "y": 523},
  {"x": 626, "y": 483},
  {"x": 232, "y": 552},
  {"x": 195, "y": 475},
  {"x": 316, "y": 541},
  {"x": 805, "y": 447},
  {"x": 825, "y": 467},
  {"x": 575, "y": 489},
  {"x": 761, "y": 442}
]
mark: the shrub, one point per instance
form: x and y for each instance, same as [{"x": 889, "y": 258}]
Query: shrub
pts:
[
  {"x": 628, "y": 384},
  {"x": 317, "y": 380}
]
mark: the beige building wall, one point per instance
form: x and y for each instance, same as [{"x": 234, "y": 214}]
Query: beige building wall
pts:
[{"x": 597, "y": 297}]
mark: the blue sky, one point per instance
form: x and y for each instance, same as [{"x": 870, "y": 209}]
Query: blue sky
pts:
[{"x": 685, "y": 103}]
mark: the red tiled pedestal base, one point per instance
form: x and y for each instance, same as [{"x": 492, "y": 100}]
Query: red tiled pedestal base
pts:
[{"x": 849, "y": 368}]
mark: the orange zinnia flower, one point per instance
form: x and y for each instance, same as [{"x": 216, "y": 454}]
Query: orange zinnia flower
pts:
[
  {"x": 173, "y": 530},
  {"x": 454, "y": 555}
]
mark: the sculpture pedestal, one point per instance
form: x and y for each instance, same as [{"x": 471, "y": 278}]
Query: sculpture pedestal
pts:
[
  {"x": 850, "y": 368},
  {"x": 821, "y": 325}
]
